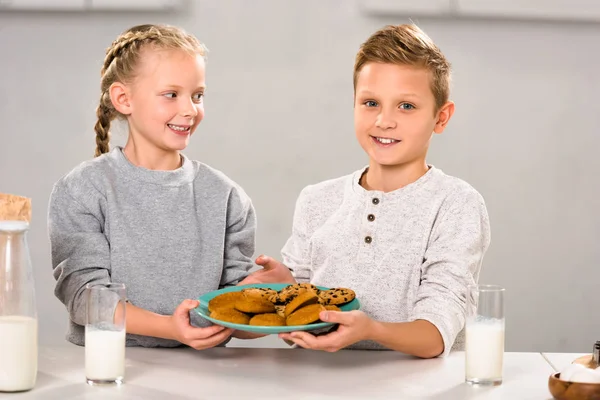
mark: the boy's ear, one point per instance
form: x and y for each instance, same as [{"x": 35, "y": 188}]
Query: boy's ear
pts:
[
  {"x": 443, "y": 117},
  {"x": 119, "y": 96}
]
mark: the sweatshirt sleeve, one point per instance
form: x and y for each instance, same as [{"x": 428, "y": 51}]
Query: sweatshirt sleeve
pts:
[
  {"x": 452, "y": 262},
  {"x": 296, "y": 251},
  {"x": 80, "y": 250},
  {"x": 240, "y": 238}
]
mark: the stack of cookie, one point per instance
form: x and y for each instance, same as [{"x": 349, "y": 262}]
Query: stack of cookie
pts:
[{"x": 298, "y": 304}]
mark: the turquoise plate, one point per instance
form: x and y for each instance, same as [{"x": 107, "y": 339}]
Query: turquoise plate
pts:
[{"x": 202, "y": 310}]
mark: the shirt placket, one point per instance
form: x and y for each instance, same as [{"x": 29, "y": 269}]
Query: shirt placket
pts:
[{"x": 368, "y": 231}]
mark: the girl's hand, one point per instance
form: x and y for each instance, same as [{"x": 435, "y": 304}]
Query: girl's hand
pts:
[{"x": 198, "y": 338}]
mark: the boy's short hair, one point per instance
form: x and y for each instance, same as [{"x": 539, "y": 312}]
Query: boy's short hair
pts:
[{"x": 407, "y": 45}]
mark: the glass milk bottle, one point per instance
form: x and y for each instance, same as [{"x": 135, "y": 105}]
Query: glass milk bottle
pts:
[{"x": 18, "y": 316}]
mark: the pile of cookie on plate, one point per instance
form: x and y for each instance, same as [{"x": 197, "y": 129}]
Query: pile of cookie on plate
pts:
[{"x": 297, "y": 304}]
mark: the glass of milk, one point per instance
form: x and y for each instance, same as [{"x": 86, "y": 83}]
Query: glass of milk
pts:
[
  {"x": 484, "y": 335},
  {"x": 105, "y": 334}
]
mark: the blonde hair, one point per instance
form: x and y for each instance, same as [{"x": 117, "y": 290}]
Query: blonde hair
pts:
[
  {"x": 407, "y": 45},
  {"x": 121, "y": 61}
]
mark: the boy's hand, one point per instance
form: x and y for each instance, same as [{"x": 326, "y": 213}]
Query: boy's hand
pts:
[
  {"x": 273, "y": 272},
  {"x": 354, "y": 326},
  {"x": 198, "y": 338}
]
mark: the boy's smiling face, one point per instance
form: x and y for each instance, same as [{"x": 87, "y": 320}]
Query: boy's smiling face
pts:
[{"x": 395, "y": 113}]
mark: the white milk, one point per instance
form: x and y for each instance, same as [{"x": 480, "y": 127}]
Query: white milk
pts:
[
  {"x": 484, "y": 348},
  {"x": 18, "y": 353},
  {"x": 104, "y": 354}
]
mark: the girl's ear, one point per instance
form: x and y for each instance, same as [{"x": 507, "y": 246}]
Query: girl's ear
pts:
[{"x": 119, "y": 96}]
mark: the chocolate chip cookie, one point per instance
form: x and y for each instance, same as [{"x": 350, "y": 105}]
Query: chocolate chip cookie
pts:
[
  {"x": 303, "y": 299},
  {"x": 254, "y": 305},
  {"x": 230, "y": 315},
  {"x": 305, "y": 315},
  {"x": 225, "y": 300},
  {"x": 270, "y": 319},
  {"x": 336, "y": 296}
]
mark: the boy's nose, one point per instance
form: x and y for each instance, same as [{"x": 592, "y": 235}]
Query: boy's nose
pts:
[{"x": 384, "y": 121}]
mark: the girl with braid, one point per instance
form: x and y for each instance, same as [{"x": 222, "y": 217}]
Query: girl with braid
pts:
[{"x": 144, "y": 214}]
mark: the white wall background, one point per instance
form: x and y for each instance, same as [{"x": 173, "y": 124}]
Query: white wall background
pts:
[{"x": 279, "y": 116}]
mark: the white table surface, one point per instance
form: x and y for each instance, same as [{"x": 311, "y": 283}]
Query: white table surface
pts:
[{"x": 260, "y": 373}]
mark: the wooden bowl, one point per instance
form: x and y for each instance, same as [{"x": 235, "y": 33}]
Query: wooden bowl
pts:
[
  {"x": 562, "y": 390},
  {"x": 586, "y": 361}
]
